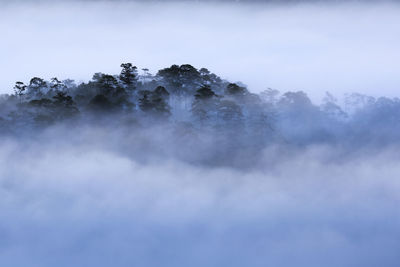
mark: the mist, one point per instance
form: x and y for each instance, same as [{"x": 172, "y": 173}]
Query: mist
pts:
[
  {"x": 315, "y": 47},
  {"x": 66, "y": 200}
]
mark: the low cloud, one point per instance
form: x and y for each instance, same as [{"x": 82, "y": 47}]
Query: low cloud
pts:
[{"x": 66, "y": 201}]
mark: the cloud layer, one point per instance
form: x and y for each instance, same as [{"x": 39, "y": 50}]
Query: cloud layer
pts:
[{"x": 66, "y": 200}]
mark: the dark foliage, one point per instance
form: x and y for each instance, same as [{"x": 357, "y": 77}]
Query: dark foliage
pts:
[{"x": 184, "y": 95}]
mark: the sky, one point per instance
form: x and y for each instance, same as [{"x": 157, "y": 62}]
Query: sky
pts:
[{"x": 341, "y": 48}]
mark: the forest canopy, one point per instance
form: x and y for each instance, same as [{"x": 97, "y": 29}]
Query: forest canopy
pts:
[{"x": 196, "y": 106}]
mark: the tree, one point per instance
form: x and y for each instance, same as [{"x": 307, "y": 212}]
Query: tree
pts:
[
  {"x": 212, "y": 80},
  {"x": 145, "y": 102},
  {"x": 155, "y": 102},
  {"x": 204, "y": 104},
  {"x": 105, "y": 80},
  {"x": 160, "y": 97},
  {"x": 19, "y": 90},
  {"x": 204, "y": 72},
  {"x": 57, "y": 85},
  {"x": 37, "y": 82},
  {"x": 107, "y": 84},
  {"x": 100, "y": 103},
  {"x": 295, "y": 100},
  {"x": 233, "y": 89},
  {"x": 128, "y": 74},
  {"x": 182, "y": 80},
  {"x": 160, "y": 91},
  {"x": 230, "y": 114},
  {"x": 36, "y": 87},
  {"x": 62, "y": 98},
  {"x": 146, "y": 75},
  {"x": 331, "y": 108},
  {"x": 64, "y": 105},
  {"x": 270, "y": 96},
  {"x": 204, "y": 93}
]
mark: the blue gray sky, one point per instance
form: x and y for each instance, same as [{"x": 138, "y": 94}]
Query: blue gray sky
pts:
[{"x": 312, "y": 47}]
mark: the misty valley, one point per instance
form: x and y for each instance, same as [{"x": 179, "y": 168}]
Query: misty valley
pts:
[{"x": 184, "y": 168}]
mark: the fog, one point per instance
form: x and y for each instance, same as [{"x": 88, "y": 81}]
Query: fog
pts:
[
  {"x": 339, "y": 47},
  {"x": 75, "y": 197}
]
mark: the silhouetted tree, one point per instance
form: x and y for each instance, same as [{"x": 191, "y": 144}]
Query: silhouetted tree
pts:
[
  {"x": 57, "y": 85},
  {"x": 204, "y": 93},
  {"x": 181, "y": 80},
  {"x": 62, "y": 98},
  {"x": 155, "y": 102},
  {"x": 108, "y": 85},
  {"x": 100, "y": 103},
  {"x": 160, "y": 99},
  {"x": 205, "y": 103},
  {"x": 37, "y": 87},
  {"x": 105, "y": 81},
  {"x": 146, "y": 76},
  {"x": 145, "y": 103},
  {"x": 128, "y": 74},
  {"x": 19, "y": 89},
  {"x": 65, "y": 105},
  {"x": 235, "y": 90},
  {"x": 160, "y": 91}
]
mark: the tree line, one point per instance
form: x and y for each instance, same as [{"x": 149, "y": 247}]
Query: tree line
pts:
[{"x": 203, "y": 100}]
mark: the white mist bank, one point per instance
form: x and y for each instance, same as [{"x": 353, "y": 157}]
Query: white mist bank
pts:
[
  {"x": 65, "y": 201},
  {"x": 313, "y": 47}
]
